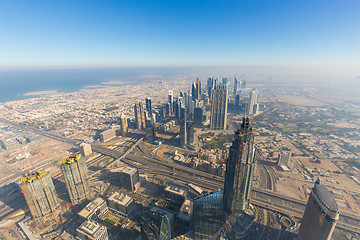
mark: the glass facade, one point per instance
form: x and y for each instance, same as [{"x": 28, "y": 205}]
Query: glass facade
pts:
[
  {"x": 155, "y": 226},
  {"x": 208, "y": 216}
]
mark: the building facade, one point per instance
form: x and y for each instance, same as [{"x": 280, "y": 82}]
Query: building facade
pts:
[
  {"x": 219, "y": 106},
  {"x": 130, "y": 179},
  {"x": 240, "y": 168},
  {"x": 183, "y": 127},
  {"x": 155, "y": 226},
  {"x": 139, "y": 116},
  {"x": 76, "y": 178},
  {"x": 40, "y": 195},
  {"x": 92, "y": 230},
  {"x": 123, "y": 126},
  {"x": 208, "y": 216},
  {"x": 320, "y": 216}
]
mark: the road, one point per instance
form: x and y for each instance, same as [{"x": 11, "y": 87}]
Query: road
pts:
[{"x": 285, "y": 204}]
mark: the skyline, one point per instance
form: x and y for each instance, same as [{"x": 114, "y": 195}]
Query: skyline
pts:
[{"x": 45, "y": 34}]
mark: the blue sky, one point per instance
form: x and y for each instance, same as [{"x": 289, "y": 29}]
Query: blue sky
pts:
[{"x": 179, "y": 33}]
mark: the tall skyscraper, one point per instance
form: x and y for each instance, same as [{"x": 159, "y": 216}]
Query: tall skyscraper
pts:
[
  {"x": 153, "y": 129},
  {"x": 219, "y": 108},
  {"x": 210, "y": 86},
  {"x": 171, "y": 101},
  {"x": 148, "y": 106},
  {"x": 240, "y": 170},
  {"x": 183, "y": 127},
  {"x": 155, "y": 226},
  {"x": 253, "y": 101},
  {"x": 40, "y": 195},
  {"x": 208, "y": 216},
  {"x": 198, "y": 116},
  {"x": 123, "y": 125},
  {"x": 76, "y": 177},
  {"x": 225, "y": 82},
  {"x": 235, "y": 86},
  {"x": 198, "y": 89},
  {"x": 320, "y": 216},
  {"x": 139, "y": 116},
  {"x": 193, "y": 91}
]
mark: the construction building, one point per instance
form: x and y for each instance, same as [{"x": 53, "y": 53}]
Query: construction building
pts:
[
  {"x": 95, "y": 209},
  {"x": 139, "y": 116},
  {"x": 92, "y": 230},
  {"x": 123, "y": 126},
  {"x": 121, "y": 203},
  {"x": 76, "y": 177},
  {"x": 39, "y": 192}
]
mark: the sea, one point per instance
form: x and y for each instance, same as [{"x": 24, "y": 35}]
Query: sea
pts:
[{"x": 14, "y": 83}]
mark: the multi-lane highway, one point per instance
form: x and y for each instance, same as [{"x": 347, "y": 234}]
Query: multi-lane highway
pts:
[{"x": 261, "y": 198}]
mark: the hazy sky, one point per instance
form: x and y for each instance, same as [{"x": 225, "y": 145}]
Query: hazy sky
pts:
[{"x": 179, "y": 33}]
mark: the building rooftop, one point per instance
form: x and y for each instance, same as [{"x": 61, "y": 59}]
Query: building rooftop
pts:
[
  {"x": 186, "y": 210},
  {"x": 129, "y": 170},
  {"x": 176, "y": 189},
  {"x": 121, "y": 198},
  {"x": 91, "y": 207},
  {"x": 325, "y": 196},
  {"x": 90, "y": 228}
]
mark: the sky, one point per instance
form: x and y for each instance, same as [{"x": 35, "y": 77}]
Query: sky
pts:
[{"x": 140, "y": 33}]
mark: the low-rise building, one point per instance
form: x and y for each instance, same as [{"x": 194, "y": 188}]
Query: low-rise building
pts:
[
  {"x": 175, "y": 193},
  {"x": 121, "y": 203},
  {"x": 92, "y": 230},
  {"x": 96, "y": 208}
]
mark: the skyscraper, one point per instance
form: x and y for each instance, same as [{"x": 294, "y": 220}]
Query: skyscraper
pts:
[
  {"x": 198, "y": 116},
  {"x": 155, "y": 226},
  {"x": 253, "y": 101},
  {"x": 76, "y": 178},
  {"x": 139, "y": 116},
  {"x": 39, "y": 192},
  {"x": 198, "y": 89},
  {"x": 193, "y": 91},
  {"x": 148, "y": 106},
  {"x": 183, "y": 127},
  {"x": 219, "y": 108},
  {"x": 240, "y": 169},
  {"x": 123, "y": 125},
  {"x": 320, "y": 216},
  {"x": 210, "y": 86},
  {"x": 235, "y": 86},
  {"x": 171, "y": 101},
  {"x": 208, "y": 216}
]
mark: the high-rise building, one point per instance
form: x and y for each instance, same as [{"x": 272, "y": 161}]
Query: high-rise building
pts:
[
  {"x": 171, "y": 101},
  {"x": 148, "y": 106},
  {"x": 210, "y": 86},
  {"x": 236, "y": 84},
  {"x": 320, "y": 216},
  {"x": 225, "y": 82},
  {"x": 40, "y": 195},
  {"x": 153, "y": 130},
  {"x": 92, "y": 230},
  {"x": 240, "y": 169},
  {"x": 130, "y": 179},
  {"x": 183, "y": 127},
  {"x": 123, "y": 125},
  {"x": 198, "y": 116},
  {"x": 155, "y": 226},
  {"x": 76, "y": 177},
  {"x": 253, "y": 101},
  {"x": 193, "y": 91},
  {"x": 208, "y": 216},
  {"x": 219, "y": 108},
  {"x": 198, "y": 89},
  {"x": 284, "y": 159},
  {"x": 139, "y": 116}
]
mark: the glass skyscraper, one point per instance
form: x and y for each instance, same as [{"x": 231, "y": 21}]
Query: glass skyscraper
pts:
[
  {"x": 240, "y": 168},
  {"x": 155, "y": 226},
  {"x": 208, "y": 216}
]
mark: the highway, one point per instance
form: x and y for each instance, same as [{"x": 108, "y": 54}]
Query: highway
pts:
[{"x": 261, "y": 198}]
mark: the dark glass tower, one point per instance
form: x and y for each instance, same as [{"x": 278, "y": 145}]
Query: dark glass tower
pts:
[
  {"x": 320, "y": 216},
  {"x": 219, "y": 108},
  {"x": 240, "y": 170},
  {"x": 208, "y": 216},
  {"x": 155, "y": 226},
  {"x": 183, "y": 127}
]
